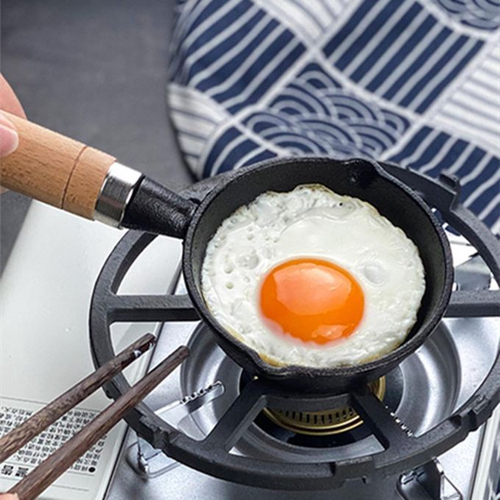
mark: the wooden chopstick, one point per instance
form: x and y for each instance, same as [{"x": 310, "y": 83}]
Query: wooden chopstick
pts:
[
  {"x": 37, "y": 423},
  {"x": 49, "y": 470}
]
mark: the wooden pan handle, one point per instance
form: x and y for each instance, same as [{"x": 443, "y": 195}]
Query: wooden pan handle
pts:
[{"x": 55, "y": 169}]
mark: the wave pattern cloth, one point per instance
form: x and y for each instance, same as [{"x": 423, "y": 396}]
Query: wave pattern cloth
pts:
[{"x": 413, "y": 82}]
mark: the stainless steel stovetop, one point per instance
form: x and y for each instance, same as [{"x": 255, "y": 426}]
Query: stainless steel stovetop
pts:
[{"x": 424, "y": 389}]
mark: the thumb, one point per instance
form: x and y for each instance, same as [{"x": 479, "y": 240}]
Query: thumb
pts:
[{"x": 9, "y": 138}]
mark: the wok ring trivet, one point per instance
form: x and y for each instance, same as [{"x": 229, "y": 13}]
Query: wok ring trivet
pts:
[{"x": 402, "y": 451}]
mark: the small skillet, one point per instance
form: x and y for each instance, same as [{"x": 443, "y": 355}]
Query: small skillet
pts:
[{"x": 69, "y": 175}]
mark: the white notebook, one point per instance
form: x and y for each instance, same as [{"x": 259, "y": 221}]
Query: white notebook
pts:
[{"x": 45, "y": 294}]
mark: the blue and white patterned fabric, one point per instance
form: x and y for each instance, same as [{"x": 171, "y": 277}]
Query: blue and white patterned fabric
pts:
[{"x": 413, "y": 82}]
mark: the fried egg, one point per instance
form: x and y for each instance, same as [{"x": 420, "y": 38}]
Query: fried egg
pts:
[{"x": 313, "y": 278}]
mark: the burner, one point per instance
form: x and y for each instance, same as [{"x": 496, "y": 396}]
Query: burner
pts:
[
  {"x": 314, "y": 423},
  {"x": 432, "y": 373},
  {"x": 323, "y": 423},
  {"x": 426, "y": 392}
]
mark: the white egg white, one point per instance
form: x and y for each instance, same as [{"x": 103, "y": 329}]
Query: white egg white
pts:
[{"x": 312, "y": 221}]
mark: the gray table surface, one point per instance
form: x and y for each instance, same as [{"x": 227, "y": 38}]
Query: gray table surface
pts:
[{"x": 96, "y": 71}]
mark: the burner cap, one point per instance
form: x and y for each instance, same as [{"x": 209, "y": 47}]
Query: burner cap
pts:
[{"x": 323, "y": 423}]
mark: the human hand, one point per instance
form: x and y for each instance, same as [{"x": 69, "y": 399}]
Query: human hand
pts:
[
  {"x": 8, "y": 135},
  {"x": 8, "y": 496}
]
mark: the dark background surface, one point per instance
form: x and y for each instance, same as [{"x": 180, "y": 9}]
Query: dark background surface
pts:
[{"x": 95, "y": 70}]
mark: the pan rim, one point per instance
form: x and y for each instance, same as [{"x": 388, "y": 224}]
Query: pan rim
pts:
[{"x": 390, "y": 359}]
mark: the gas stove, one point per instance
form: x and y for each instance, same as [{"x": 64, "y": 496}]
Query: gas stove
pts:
[
  {"x": 403, "y": 438},
  {"x": 422, "y": 391}
]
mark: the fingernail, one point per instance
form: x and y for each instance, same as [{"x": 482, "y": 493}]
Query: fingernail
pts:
[{"x": 9, "y": 140}]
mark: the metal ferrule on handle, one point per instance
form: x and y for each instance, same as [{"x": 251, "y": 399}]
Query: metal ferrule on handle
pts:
[{"x": 116, "y": 192}]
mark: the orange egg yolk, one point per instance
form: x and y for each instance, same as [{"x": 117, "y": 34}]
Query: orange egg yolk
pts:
[{"x": 311, "y": 300}]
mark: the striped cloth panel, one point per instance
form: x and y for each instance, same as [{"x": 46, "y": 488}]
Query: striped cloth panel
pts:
[{"x": 413, "y": 82}]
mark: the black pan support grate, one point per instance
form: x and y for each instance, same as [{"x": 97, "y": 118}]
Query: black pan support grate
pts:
[{"x": 402, "y": 451}]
